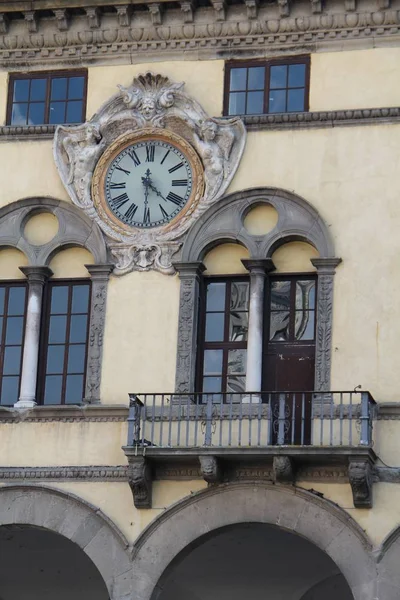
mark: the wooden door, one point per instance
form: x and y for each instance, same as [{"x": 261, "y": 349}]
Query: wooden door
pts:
[{"x": 289, "y": 357}]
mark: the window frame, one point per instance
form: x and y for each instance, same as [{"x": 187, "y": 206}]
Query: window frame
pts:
[
  {"x": 48, "y": 75},
  {"x": 225, "y": 346},
  {"x": 8, "y": 283},
  {"x": 43, "y": 343},
  {"x": 229, "y": 65}
]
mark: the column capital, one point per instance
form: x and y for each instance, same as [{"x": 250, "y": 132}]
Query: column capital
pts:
[
  {"x": 258, "y": 266},
  {"x": 36, "y": 274},
  {"x": 100, "y": 272},
  {"x": 326, "y": 266},
  {"x": 189, "y": 269}
]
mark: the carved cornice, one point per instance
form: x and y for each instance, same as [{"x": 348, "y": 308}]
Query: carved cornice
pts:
[
  {"x": 65, "y": 414},
  {"x": 99, "y": 36},
  {"x": 74, "y": 473},
  {"x": 272, "y": 122}
]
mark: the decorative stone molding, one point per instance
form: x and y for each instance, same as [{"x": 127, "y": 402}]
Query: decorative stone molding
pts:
[
  {"x": 155, "y": 10},
  {"x": 252, "y": 9},
  {"x": 62, "y": 473},
  {"x": 93, "y": 17},
  {"x": 323, "y": 351},
  {"x": 152, "y": 105},
  {"x": 63, "y": 19},
  {"x": 210, "y": 469},
  {"x": 283, "y": 469},
  {"x": 66, "y": 414},
  {"x": 99, "y": 275},
  {"x": 124, "y": 15},
  {"x": 31, "y": 18},
  {"x": 4, "y": 23},
  {"x": 187, "y": 8},
  {"x": 140, "y": 481},
  {"x": 189, "y": 274},
  {"x": 360, "y": 477},
  {"x": 214, "y": 29}
]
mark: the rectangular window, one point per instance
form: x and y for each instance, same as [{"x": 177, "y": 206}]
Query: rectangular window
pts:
[
  {"x": 254, "y": 88},
  {"x": 12, "y": 327},
  {"x": 47, "y": 98},
  {"x": 292, "y": 310},
  {"x": 224, "y": 335},
  {"x": 64, "y": 347}
]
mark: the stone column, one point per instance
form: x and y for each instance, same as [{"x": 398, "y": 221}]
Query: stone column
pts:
[
  {"x": 189, "y": 274},
  {"x": 100, "y": 275},
  {"x": 326, "y": 271},
  {"x": 37, "y": 277},
  {"x": 258, "y": 269}
]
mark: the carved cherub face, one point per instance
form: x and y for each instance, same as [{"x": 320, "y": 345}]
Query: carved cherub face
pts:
[
  {"x": 92, "y": 134},
  {"x": 208, "y": 131},
  {"x": 148, "y": 107}
]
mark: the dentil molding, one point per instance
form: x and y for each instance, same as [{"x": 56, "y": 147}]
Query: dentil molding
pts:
[{"x": 151, "y": 105}]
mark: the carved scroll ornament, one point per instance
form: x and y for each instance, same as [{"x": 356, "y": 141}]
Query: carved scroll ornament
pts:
[{"x": 152, "y": 102}]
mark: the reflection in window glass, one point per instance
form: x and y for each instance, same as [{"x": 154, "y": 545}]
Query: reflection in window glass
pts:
[
  {"x": 279, "y": 326},
  {"x": 12, "y": 326}
]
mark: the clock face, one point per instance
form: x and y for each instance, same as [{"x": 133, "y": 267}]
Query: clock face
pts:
[{"x": 148, "y": 183}]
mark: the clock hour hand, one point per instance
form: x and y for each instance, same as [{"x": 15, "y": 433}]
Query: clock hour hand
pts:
[
  {"x": 146, "y": 182},
  {"x": 159, "y": 194}
]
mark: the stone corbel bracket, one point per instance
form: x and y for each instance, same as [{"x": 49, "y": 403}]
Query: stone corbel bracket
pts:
[
  {"x": 140, "y": 481},
  {"x": 210, "y": 469},
  {"x": 283, "y": 469},
  {"x": 152, "y": 104},
  {"x": 361, "y": 479}
]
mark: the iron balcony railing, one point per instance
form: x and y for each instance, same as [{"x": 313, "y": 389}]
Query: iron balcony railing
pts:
[{"x": 251, "y": 419}]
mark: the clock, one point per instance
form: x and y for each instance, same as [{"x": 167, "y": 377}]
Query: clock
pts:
[{"x": 147, "y": 180}]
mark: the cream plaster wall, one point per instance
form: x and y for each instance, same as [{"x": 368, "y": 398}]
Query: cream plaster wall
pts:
[
  {"x": 71, "y": 263},
  {"x": 28, "y": 170},
  {"x": 10, "y": 261},
  {"x": 355, "y": 79},
  {"x": 203, "y": 80},
  {"x": 140, "y": 335},
  {"x": 226, "y": 259},
  {"x": 41, "y": 228},
  {"x": 294, "y": 257}
]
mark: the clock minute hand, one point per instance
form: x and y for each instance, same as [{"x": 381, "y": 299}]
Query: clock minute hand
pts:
[{"x": 159, "y": 194}]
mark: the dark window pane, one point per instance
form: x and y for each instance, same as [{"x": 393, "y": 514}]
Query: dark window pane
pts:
[
  {"x": 80, "y": 298},
  {"x": 57, "y": 113},
  {"x": 304, "y": 325},
  {"x": 2, "y": 296},
  {"x": 256, "y": 80},
  {"x": 239, "y": 295},
  {"x": 78, "y": 329},
  {"x": 215, "y": 327},
  {"x": 9, "y": 390},
  {"x": 52, "y": 392},
  {"x": 59, "y": 88},
  {"x": 216, "y": 296},
  {"x": 19, "y": 114},
  {"x": 74, "y": 389},
  {"x": 12, "y": 360},
  {"x": 305, "y": 294},
  {"x": 213, "y": 362},
  {"x": 212, "y": 384},
  {"x": 36, "y": 113},
  {"x": 238, "y": 326},
  {"x": 279, "y": 326},
  {"x": 277, "y": 101},
  {"x": 75, "y": 88},
  {"x": 55, "y": 359},
  {"x": 15, "y": 329},
  {"x": 57, "y": 330},
  {"x": 255, "y": 103},
  {"x": 16, "y": 301},
  {"x": 76, "y": 359},
  {"x": 277, "y": 78},
  {"x": 38, "y": 90},
  {"x": 74, "y": 111},
  {"x": 237, "y": 102},
  {"x": 1, "y": 326},
  {"x": 238, "y": 79},
  {"x": 59, "y": 300},
  {"x": 295, "y": 101},
  {"x": 297, "y": 75},
  {"x": 21, "y": 90},
  {"x": 280, "y": 295}
]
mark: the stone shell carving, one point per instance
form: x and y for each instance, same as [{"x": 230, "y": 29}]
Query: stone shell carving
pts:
[{"x": 151, "y": 103}]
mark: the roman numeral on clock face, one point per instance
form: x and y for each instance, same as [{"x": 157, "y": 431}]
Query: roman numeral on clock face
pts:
[
  {"x": 134, "y": 156},
  {"x": 175, "y": 168},
  {"x": 179, "y": 182},
  {"x": 146, "y": 217},
  {"x": 123, "y": 170},
  {"x": 130, "y": 213},
  {"x": 118, "y": 186},
  {"x": 150, "y": 150},
  {"x": 163, "y": 212},
  {"x": 120, "y": 200},
  {"x": 175, "y": 198}
]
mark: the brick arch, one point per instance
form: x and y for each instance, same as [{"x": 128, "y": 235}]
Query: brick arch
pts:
[
  {"x": 78, "y": 521},
  {"x": 294, "y": 510}
]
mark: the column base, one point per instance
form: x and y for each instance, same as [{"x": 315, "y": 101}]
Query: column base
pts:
[{"x": 25, "y": 403}]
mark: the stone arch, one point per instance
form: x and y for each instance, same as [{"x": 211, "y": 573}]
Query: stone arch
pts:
[
  {"x": 319, "y": 521},
  {"x": 297, "y": 221},
  {"x": 75, "y": 229},
  {"x": 388, "y": 566},
  {"x": 77, "y": 520}
]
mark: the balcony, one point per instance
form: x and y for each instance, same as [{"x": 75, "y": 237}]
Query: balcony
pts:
[{"x": 283, "y": 435}]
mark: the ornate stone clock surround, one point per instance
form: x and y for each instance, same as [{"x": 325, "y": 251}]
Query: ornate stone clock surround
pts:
[{"x": 153, "y": 103}]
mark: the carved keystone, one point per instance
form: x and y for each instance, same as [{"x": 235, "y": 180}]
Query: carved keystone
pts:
[
  {"x": 140, "y": 481},
  {"x": 210, "y": 469},
  {"x": 360, "y": 477},
  {"x": 283, "y": 469}
]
